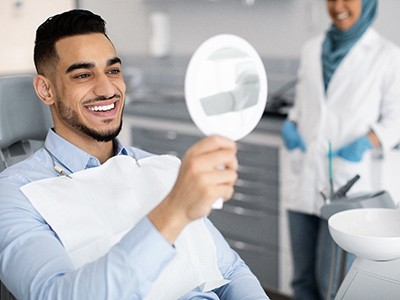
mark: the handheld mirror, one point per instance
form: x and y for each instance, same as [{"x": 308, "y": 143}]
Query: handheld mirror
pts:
[{"x": 226, "y": 88}]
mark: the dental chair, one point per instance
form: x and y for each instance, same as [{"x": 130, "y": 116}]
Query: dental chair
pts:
[
  {"x": 24, "y": 122},
  {"x": 24, "y": 119}
]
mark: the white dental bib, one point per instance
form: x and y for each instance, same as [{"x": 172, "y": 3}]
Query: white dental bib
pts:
[{"x": 92, "y": 210}]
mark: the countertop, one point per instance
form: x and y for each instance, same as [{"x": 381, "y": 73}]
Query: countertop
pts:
[
  {"x": 160, "y": 79},
  {"x": 175, "y": 109}
]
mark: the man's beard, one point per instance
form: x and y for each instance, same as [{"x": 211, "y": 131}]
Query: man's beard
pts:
[{"x": 72, "y": 118}]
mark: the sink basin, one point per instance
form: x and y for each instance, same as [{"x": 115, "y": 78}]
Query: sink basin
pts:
[{"x": 370, "y": 233}]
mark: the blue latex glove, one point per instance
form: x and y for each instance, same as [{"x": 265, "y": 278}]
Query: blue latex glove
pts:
[
  {"x": 291, "y": 136},
  {"x": 354, "y": 151}
]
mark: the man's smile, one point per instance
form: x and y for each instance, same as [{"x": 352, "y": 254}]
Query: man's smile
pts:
[{"x": 102, "y": 108}]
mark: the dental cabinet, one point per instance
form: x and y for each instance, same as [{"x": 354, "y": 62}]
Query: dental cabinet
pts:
[{"x": 251, "y": 220}]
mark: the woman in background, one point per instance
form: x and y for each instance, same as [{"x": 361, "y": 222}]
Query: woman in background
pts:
[{"x": 347, "y": 100}]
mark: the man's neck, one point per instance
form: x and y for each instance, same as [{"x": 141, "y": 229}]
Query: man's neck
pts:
[{"x": 101, "y": 150}]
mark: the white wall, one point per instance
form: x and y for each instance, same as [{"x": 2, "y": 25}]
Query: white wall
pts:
[
  {"x": 18, "y": 22},
  {"x": 274, "y": 27}
]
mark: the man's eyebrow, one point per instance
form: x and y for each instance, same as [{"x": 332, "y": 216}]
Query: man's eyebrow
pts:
[
  {"x": 89, "y": 65},
  {"x": 114, "y": 60},
  {"x": 79, "y": 65}
]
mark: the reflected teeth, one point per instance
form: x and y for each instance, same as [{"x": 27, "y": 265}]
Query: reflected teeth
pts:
[
  {"x": 343, "y": 16},
  {"x": 102, "y": 108}
]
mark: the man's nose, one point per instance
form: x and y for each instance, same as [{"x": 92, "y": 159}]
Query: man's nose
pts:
[{"x": 104, "y": 87}]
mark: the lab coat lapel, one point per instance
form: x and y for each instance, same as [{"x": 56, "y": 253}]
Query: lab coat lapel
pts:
[{"x": 344, "y": 74}]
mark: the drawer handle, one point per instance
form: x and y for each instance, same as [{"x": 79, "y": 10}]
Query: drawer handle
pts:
[
  {"x": 171, "y": 135},
  {"x": 246, "y": 246},
  {"x": 237, "y": 210},
  {"x": 249, "y": 184},
  {"x": 248, "y": 198}
]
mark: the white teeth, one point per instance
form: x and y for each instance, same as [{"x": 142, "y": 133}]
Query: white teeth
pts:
[
  {"x": 343, "y": 15},
  {"x": 102, "y": 108}
]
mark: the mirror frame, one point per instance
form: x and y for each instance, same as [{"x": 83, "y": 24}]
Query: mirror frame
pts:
[{"x": 193, "y": 102}]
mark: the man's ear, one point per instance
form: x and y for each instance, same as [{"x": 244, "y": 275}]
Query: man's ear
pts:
[{"x": 43, "y": 89}]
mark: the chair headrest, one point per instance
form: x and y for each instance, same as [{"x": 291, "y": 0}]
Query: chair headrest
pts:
[{"x": 22, "y": 115}]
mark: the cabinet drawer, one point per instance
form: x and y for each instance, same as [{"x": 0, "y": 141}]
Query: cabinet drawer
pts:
[
  {"x": 262, "y": 175},
  {"x": 262, "y": 261},
  {"x": 269, "y": 191},
  {"x": 246, "y": 224},
  {"x": 258, "y": 156},
  {"x": 263, "y": 201},
  {"x": 161, "y": 141}
]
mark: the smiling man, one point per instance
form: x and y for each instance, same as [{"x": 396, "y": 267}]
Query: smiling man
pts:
[
  {"x": 86, "y": 217},
  {"x": 84, "y": 91}
]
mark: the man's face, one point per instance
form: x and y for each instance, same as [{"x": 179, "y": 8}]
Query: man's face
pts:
[
  {"x": 344, "y": 13},
  {"x": 89, "y": 88}
]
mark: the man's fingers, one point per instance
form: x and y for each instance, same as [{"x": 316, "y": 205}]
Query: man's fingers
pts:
[
  {"x": 211, "y": 144},
  {"x": 211, "y": 153}
]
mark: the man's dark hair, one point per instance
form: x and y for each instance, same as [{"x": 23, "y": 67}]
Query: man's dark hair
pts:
[{"x": 70, "y": 23}]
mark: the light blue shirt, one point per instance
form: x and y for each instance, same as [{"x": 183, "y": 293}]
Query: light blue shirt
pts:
[{"x": 35, "y": 265}]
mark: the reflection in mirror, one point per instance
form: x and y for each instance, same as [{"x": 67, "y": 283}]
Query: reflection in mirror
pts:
[{"x": 233, "y": 84}]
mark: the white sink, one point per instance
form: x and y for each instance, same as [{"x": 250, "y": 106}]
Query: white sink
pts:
[{"x": 371, "y": 233}]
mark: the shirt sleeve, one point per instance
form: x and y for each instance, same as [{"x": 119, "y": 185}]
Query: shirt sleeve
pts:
[
  {"x": 243, "y": 284},
  {"x": 35, "y": 265}
]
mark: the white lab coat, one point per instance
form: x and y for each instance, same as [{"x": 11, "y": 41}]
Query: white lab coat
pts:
[{"x": 363, "y": 94}]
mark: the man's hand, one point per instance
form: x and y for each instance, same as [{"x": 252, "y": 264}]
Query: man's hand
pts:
[{"x": 208, "y": 172}]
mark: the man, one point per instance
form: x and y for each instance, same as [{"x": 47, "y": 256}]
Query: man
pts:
[{"x": 80, "y": 78}]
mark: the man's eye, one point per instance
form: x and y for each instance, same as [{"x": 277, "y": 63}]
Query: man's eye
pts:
[
  {"x": 82, "y": 76},
  {"x": 114, "y": 71}
]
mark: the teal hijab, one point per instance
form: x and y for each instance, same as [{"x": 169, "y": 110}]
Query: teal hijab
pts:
[{"x": 338, "y": 43}]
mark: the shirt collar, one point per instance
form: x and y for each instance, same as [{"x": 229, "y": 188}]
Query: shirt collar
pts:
[
  {"x": 72, "y": 157},
  {"x": 120, "y": 149}
]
